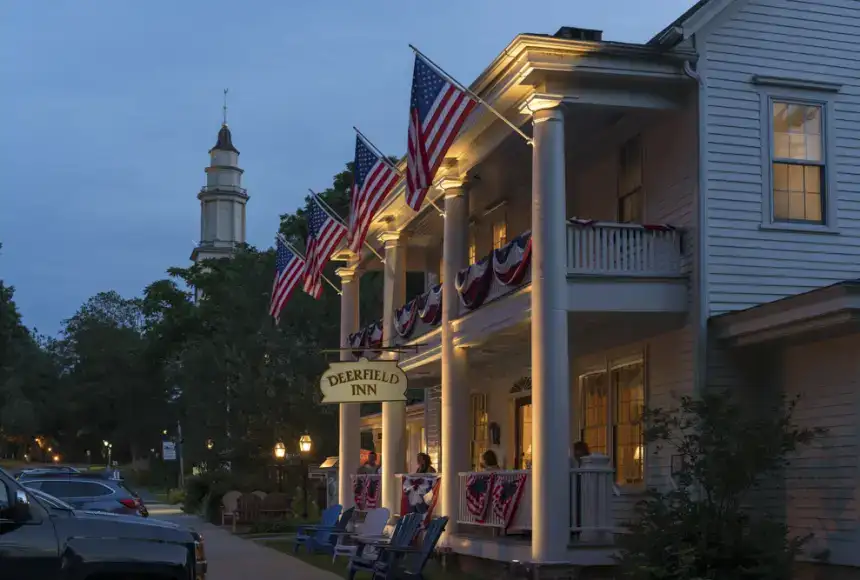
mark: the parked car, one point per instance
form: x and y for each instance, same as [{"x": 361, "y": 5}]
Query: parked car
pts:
[
  {"x": 42, "y": 537},
  {"x": 87, "y": 492}
]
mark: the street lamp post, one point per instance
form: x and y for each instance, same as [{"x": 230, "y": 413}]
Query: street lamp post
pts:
[
  {"x": 108, "y": 447},
  {"x": 280, "y": 454},
  {"x": 305, "y": 445}
]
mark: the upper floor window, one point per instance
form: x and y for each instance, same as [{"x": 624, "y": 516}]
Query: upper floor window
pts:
[
  {"x": 480, "y": 437},
  {"x": 473, "y": 249},
  {"x": 631, "y": 196},
  {"x": 798, "y": 162},
  {"x": 500, "y": 234}
]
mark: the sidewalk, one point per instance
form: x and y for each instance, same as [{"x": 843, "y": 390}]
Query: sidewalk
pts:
[{"x": 232, "y": 558}]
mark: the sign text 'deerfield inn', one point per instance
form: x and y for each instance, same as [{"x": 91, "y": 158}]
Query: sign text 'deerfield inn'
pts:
[{"x": 363, "y": 381}]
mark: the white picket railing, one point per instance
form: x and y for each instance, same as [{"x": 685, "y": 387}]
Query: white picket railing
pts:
[
  {"x": 607, "y": 248},
  {"x": 592, "y": 487}
]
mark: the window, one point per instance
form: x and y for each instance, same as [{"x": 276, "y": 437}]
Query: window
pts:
[
  {"x": 500, "y": 234},
  {"x": 73, "y": 489},
  {"x": 473, "y": 249},
  {"x": 631, "y": 197},
  {"x": 595, "y": 412},
  {"x": 798, "y": 162},
  {"x": 611, "y": 403},
  {"x": 629, "y": 390},
  {"x": 480, "y": 443}
]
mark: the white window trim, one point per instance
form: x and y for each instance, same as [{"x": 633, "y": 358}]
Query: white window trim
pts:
[
  {"x": 610, "y": 364},
  {"x": 802, "y": 92}
]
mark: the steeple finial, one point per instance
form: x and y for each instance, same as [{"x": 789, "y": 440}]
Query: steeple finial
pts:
[{"x": 225, "y": 107}]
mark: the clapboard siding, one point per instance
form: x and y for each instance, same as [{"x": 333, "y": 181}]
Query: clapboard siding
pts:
[
  {"x": 789, "y": 38},
  {"x": 821, "y": 484}
]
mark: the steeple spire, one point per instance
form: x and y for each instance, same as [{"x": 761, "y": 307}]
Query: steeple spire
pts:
[{"x": 225, "y": 107}]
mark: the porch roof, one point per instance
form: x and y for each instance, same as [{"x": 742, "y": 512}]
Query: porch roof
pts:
[{"x": 827, "y": 311}]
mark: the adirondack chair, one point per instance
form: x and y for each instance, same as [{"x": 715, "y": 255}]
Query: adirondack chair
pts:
[
  {"x": 327, "y": 519},
  {"x": 325, "y": 539},
  {"x": 404, "y": 532},
  {"x": 406, "y": 561},
  {"x": 371, "y": 528},
  {"x": 230, "y": 507}
]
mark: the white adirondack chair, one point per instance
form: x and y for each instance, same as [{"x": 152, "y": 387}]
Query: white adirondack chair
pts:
[{"x": 373, "y": 525}]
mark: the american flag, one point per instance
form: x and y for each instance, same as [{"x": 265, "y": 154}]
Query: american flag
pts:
[
  {"x": 324, "y": 234},
  {"x": 437, "y": 111},
  {"x": 374, "y": 178},
  {"x": 288, "y": 271}
]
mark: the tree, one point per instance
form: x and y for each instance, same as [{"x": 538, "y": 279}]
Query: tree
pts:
[{"x": 702, "y": 529}]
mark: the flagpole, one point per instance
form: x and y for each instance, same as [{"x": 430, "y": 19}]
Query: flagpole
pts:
[
  {"x": 504, "y": 119},
  {"x": 391, "y": 165},
  {"x": 302, "y": 256},
  {"x": 333, "y": 214}
]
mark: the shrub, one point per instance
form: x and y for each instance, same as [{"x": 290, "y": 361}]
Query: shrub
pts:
[
  {"x": 701, "y": 529},
  {"x": 175, "y": 496}
]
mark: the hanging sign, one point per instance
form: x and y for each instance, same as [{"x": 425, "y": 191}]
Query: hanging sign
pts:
[
  {"x": 363, "y": 381},
  {"x": 168, "y": 450}
]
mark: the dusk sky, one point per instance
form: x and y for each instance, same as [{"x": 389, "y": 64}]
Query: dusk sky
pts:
[{"x": 109, "y": 108}]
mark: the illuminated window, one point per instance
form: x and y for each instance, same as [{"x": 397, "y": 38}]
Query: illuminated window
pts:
[
  {"x": 628, "y": 384},
  {"x": 595, "y": 412},
  {"x": 798, "y": 162},
  {"x": 480, "y": 437},
  {"x": 473, "y": 249},
  {"x": 500, "y": 235}
]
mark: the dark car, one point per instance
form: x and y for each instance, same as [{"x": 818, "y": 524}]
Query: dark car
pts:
[
  {"x": 47, "y": 469},
  {"x": 86, "y": 492},
  {"x": 42, "y": 538}
]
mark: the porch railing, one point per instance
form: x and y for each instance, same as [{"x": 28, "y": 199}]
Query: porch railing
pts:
[
  {"x": 607, "y": 248},
  {"x": 522, "y": 519},
  {"x": 591, "y": 501},
  {"x": 429, "y": 498}
]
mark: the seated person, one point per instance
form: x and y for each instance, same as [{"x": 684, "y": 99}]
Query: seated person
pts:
[{"x": 489, "y": 461}]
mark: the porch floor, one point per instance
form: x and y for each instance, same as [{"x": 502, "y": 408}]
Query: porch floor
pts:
[{"x": 510, "y": 548}]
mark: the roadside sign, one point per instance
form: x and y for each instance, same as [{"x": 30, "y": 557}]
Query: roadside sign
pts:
[{"x": 168, "y": 450}]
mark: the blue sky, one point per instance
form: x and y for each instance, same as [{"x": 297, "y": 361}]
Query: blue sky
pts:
[{"x": 109, "y": 109}]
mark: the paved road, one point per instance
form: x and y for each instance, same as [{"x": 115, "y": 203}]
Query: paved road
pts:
[{"x": 232, "y": 558}]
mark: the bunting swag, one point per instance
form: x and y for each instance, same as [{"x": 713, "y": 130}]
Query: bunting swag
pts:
[
  {"x": 359, "y": 489},
  {"x": 356, "y": 341},
  {"x": 473, "y": 283},
  {"x": 419, "y": 496},
  {"x": 371, "y": 493},
  {"x": 374, "y": 339},
  {"x": 506, "y": 497},
  {"x": 430, "y": 305},
  {"x": 511, "y": 263},
  {"x": 478, "y": 490},
  {"x": 405, "y": 318},
  {"x": 585, "y": 223},
  {"x": 367, "y": 339}
]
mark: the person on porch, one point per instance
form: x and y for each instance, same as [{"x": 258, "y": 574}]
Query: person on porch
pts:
[
  {"x": 370, "y": 467},
  {"x": 489, "y": 461},
  {"x": 425, "y": 464},
  {"x": 580, "y": 450}
]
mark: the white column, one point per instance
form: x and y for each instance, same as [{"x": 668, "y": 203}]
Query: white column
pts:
[
  {"x": 349, "y": 448},
  {"x": 455, "y": 390},
  {"x": 393, "y": 413},
  {"x": 550, "y": 384}
]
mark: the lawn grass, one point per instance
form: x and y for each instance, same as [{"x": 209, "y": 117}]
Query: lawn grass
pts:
[{"x": 433, "y": 570}]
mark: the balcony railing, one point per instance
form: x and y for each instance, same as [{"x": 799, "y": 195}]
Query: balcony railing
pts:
[
  {"x": 613, "y": 249},
  {"x": 225, "y": 188},
  {"x": 591, "y": 488}
]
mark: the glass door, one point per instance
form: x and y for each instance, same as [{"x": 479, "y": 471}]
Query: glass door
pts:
[{"x": 523, "y": 414}]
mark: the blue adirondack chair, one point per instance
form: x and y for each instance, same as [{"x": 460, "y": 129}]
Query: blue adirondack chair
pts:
[
  {"x": 327, "y": 520},
  {"x": 404, "y": 532},
  {"x": 325, "y": 539},
  {"x": 406, "y": 561}
]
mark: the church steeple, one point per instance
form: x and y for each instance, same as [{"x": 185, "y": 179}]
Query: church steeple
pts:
[{"x": 222, "y": 199}]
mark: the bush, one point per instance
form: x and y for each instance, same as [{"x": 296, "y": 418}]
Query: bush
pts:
[
  {"x": 701, "y": 529},
  {"x": 175, "y": 496}
]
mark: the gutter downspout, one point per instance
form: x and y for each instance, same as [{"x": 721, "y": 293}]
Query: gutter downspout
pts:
[{"x": 700, "y": 370}]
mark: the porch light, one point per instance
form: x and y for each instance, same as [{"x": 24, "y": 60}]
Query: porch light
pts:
[
  {"x": 210, "y": 444},
  {"x": 280, "y": 450},
  {"x": 305, "y": 443}
]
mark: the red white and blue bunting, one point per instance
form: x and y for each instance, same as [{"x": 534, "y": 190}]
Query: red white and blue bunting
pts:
[
  {"x": 420, "y": 493},
  {"x": 366, "y": 340},
  {"x": 430, "y": 306},
  {"x": 405, "y": 318},
  {"x": 479, "y": 487},
  {"x": 506, "y": 497},
  {"x": 586, "y": 223},
  {"x": 365, "y": 491},
  {"x": 473, "y": 283},
  {"x": 511, "y": 263}
]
